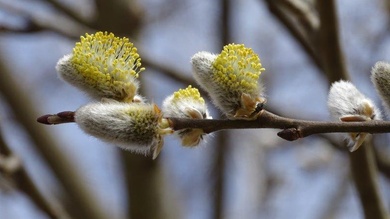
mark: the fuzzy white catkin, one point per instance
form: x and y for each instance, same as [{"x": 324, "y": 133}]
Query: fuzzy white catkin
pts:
[
  {"x": 103, "y": 89},
  {"x": 380, "y": 77},
  {"x": 345, "y": 99},
  {"x": 180, "y": 109},
  {"x": 346, "y": 103},
  {"x": 131, "y": 126},
  {"x": 103, "y": 66},
  {"x": 231, "y": 80},
  {"x": 202, "y": 67},
  {"x": 69, "y": 74},
  {"x": 187, "y": 103}
]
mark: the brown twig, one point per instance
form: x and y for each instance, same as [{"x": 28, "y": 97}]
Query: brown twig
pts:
[{"x": 292, "y": 129}]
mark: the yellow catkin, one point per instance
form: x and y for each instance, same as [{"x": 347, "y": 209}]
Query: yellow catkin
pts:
[
  {"x": 107, "y": 62},
  {"x": 237, "y": 68},
  {"x": 145, "y": 120},
  {"x": 188, "y": 93}
]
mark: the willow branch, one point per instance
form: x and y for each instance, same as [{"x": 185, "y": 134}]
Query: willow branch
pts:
[{"x": 292, "y": 129}]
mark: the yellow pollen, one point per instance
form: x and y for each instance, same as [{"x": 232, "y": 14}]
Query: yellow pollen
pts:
[
  {"x": 145, "y": 119},
  {"x": 188, "y": 93},
  {"x": 237, "y": 68},
  {"x": 107, "y": 62}
]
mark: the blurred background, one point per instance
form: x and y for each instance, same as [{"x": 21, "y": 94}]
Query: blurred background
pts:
[{"x": 60, "y": 172}]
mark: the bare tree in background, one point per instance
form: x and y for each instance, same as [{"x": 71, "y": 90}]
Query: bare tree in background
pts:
[{"x": 313, "y": 24}]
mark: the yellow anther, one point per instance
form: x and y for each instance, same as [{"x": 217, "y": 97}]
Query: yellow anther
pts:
[
  {"x": 108, "y": 64},
  {"x": 188, "y": 93},
  {"x": 237, "y": 67}
]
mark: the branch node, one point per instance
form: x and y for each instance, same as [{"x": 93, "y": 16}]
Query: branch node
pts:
[{"x": 290, "y": 134}]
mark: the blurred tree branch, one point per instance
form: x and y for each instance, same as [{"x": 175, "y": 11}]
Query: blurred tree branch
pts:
[
  {"x": 284, "y": 14},
  {"x": 301, "y": 10},
  {"x": 118, "y": 16},
  {"x": 14, "y": 170},
  {"x": 336, "y": 198},
  {"x": 121, "y": 17},
  {"x": 302, "y": 27},
  {"x": 324, "y": 48},
  {"x": 69, "y": 12},
  {"x": 144, "y": 192},
  {"x": 32, "y": 24},
  {"x": 222, "y": 143},
  {"x": 365, "y": 175},
  {"x": 382, "y": 162},
  {"x": 150, "y": 196},
  {"x": 166, "y": 70},
  {"x": 20, "y": 102},
  {"x": 363, "y": 165},
  {"x": 147, "y": 189},
  {"x": 330, "y": 50}
]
